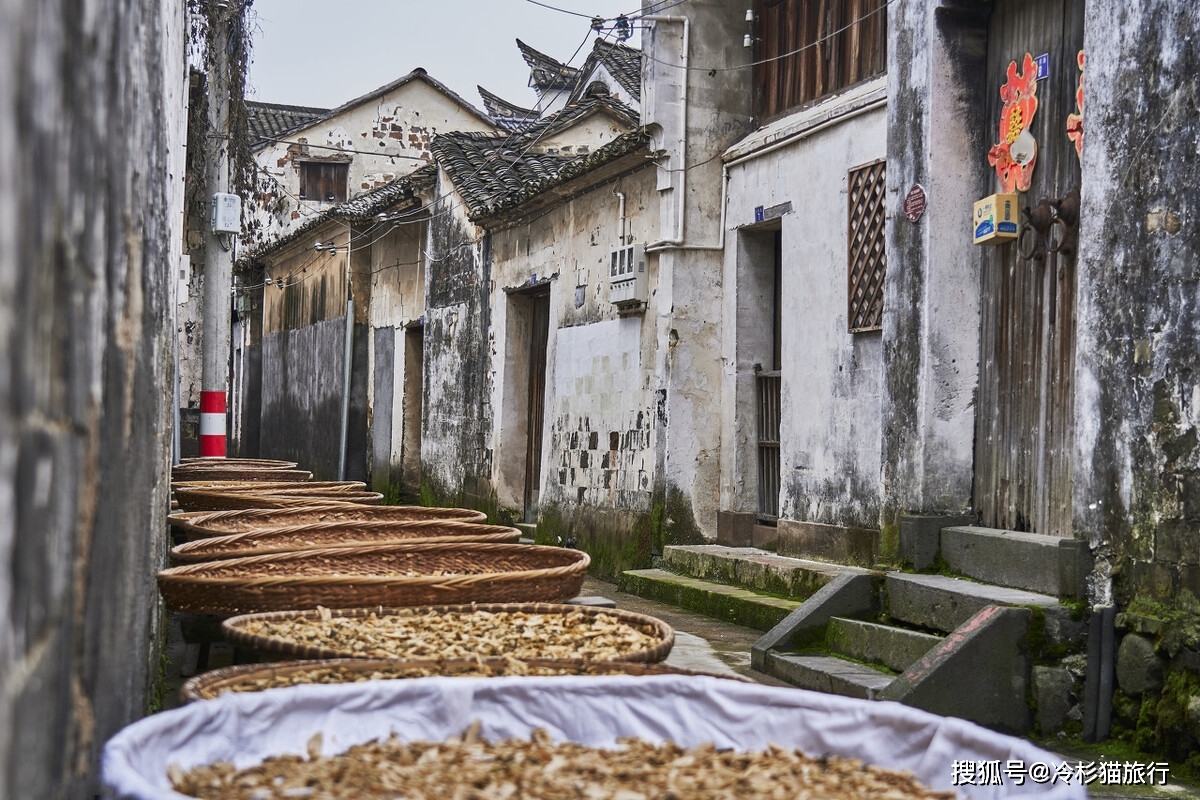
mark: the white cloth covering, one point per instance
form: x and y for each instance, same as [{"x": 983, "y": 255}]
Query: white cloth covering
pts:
[{"x": 245, "y": 728}]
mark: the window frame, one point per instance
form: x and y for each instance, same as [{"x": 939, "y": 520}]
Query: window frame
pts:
[
  {"x": 335, "y": 172},
  {"x": 853, "y": 53}
]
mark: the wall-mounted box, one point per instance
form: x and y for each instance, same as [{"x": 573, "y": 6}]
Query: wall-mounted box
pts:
[
  {"x": 627, "y": 276},
  {"x": 226, "y": 213},
  {"x": 995, "y": 219}
]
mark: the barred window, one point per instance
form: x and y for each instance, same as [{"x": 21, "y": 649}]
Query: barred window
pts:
[
  {"x": 867, "y": 253},
  {"x": 805, "y": 49}
]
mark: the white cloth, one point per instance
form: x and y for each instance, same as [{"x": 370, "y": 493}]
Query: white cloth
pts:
[{"x": 245, "y": 728}]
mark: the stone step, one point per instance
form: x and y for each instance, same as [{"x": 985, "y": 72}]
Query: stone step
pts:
[
  {"x": 895, "y": 648},
  {"x": 528, "y": 532},
  {"x": 751, "y": 568},
  {"x": 729, "y": 603},
  {"x": 942, "y": 604},
  {"x": 827, "y": 674},
  {"x": 1030, "y": 561}
]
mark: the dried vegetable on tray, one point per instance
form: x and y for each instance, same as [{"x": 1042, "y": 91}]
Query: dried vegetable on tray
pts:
[{"x": 470, "y": 767}]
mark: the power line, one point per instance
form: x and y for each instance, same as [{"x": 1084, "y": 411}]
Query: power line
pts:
[{"x": 779, "y": 57}]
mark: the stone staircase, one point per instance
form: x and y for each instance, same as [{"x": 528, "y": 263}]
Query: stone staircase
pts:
[
  {"x": 743, "y": 585},
  {"x": 947, "y": 644}
]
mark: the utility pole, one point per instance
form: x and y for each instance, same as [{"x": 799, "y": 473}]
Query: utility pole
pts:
[{"x": 218, "y": 246}]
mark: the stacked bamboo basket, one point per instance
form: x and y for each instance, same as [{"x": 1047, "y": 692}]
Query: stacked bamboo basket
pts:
[{"x": 322, "y": 571}]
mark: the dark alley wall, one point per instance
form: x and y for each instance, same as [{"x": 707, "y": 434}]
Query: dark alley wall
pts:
[
  {"x": 91, "y": 119},
  {"x": 1137, "y": 480}
]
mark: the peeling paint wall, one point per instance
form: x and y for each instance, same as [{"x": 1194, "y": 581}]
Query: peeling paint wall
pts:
[
  {"x": 936, "y": 52},
  {"x": 599, "y": 427},
  {"x": 831, "y": 378},
  {"x": 455, "y": 459},
  {"x": 693, "y": 121},
  {"x": 91, "y": 129},
  {"x": 1137, "y": 408},
  {"x": 397, "y": 126},
  {"x": 397, "y": 292}
]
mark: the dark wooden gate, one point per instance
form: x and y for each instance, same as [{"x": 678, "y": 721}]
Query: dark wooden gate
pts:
[
  {"x": 539, "y": 329},
  {"x": 1024, "y": 421}
]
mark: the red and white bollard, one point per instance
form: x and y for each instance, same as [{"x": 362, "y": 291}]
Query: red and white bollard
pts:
[{"x": 212, "y": 424}]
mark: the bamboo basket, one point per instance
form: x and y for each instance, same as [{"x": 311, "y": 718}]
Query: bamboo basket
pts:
[
  {"x": 375, "y": 575},
  {"x": 232, "y": 473},
  {"x": 258, "y": 677},
  {"x": 201, "y": 524},
  {"x": 236, "y": 630},
  {"x": 235, "y": 485},
  {"x": 215, "y": 501},
  {"x": 268, "y": 463},
  {"x": 335, "y": 534},
  {"x": 232, "y": 499}
]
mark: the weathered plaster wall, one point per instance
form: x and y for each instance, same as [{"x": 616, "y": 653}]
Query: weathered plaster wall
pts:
[
  {"x": 90, "y": 197},
  {"x": 831, "y": 378},
  {"x": 455, "y": 457},
  {"x": 598, "y": 435},
  {"x": 936, "y": 52},
  {"x": 302, "y": 378},
  {"x": 1137, "y": 409},
  {"x": 398, "y": 126},
  {"x": 397, "y": 291},
  {"x": 692, "y": 125}
]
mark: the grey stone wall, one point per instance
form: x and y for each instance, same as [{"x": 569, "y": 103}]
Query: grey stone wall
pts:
[
  {"x": 1137, "y": 474},
  {"x": 90, "y": 117},
  {"x": 302, "y": 373}
]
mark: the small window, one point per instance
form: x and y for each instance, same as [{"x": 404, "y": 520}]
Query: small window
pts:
[
  {"x": 323, "y": 181},
  {"x": 867, "y": 250},
  {"x": 806, "y": 49}
]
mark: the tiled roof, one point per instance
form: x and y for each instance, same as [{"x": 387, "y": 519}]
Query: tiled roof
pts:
[
  {"x": 504, "y": 114},
  {"x": 417, "y": 74},
  {"x": 623, "y": 62},
  {"x": 268, "y": 121},
  {"x": 360, "y": 209},
  {"x": 576, "y": 111},
  {"x": 544, "y": 71},
  {"x": 494, "y": 174}
]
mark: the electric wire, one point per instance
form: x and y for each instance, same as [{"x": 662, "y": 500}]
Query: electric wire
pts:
[
  {"x": 781, "y": 56},
  {"x": 426, "y": 218},
  {"x": 512, "y": 137}
]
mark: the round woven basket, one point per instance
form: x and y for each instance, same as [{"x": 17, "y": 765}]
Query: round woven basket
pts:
[
  {"x": 258, "y": 677},
  {"x": 232, "y": 473},
  {"x": 376, "y": 575},
  {"x": 333, "y": 534},
  {"x": 201, "y": 524},
  {"x": 232, "y": 499},
  {"x": 236, "y": 629},
  {"x": 209, "y": 461}
]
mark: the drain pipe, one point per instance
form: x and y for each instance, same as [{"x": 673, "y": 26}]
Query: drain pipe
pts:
[
  {"x": 347, "y": 356},
  {"x": 621, "y": 212},
  {"x": 1098, "y": 684}
]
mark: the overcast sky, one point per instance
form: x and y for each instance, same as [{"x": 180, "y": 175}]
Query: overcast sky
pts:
[{"x": 325, "y": 52}]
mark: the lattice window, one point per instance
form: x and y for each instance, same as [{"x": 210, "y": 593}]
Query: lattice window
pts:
[{"x": 867, "y": 253}]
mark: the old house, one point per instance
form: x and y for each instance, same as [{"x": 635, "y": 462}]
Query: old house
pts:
[
  {"x": 882, "y": 379},
  {"x": 328, "y": 280}
]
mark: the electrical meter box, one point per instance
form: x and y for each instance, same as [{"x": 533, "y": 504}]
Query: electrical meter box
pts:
[
  {"x": 627, "y": 276},
  {"x": 995, "y": 219},
  {"x": 226, "y": 213}
]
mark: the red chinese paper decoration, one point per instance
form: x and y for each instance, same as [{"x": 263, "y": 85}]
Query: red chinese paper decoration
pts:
[
  {"x": 1075, "y": 121},
  {"x": 1019, "y": 94}
]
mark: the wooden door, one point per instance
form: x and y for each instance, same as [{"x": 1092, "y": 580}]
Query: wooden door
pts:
[
  {"x": 539, "y": 322},
  {"x": 1024, "y": 420}
]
